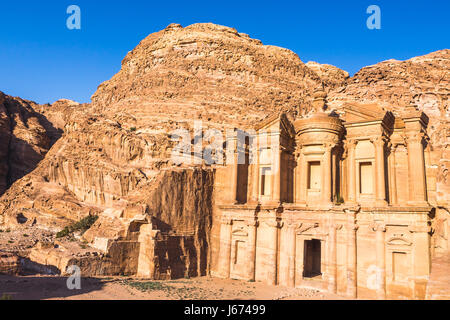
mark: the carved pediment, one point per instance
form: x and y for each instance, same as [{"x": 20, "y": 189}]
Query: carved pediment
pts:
[
  {"x": 354, "y": 113},
  {"x": 284, "y": 125},
  {"x": 398, "y": 241}
]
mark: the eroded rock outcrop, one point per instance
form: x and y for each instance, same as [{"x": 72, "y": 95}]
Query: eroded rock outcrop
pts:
[
  {"x": 331, "y": 76},
  {"x": 24, "y": 139},
  {"x": 112, "y": 151},
  {"x": 112, "y": 158}
]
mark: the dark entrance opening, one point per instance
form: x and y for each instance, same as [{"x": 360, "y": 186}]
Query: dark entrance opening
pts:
[{"x": 311, "y": 259}]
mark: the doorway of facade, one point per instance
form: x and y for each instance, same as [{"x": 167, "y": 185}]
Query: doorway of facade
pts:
[{"x": 312, "y": 259}]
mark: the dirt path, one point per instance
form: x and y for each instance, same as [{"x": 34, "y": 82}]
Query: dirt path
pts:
[{"x": 55, "y": 288}]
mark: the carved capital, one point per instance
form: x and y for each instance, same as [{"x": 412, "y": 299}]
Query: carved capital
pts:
[
  {"x": 351, "y": 143},
  {"x": 379, "y": 140},
  {"x": 344, "y": 153},
  {"x": 226, "y": 221},
  {"x": 378, "y": 227},
  {"x": 414, "y": 137},
  {"x": 328, "y": 146},
  {"x": 274, "y": 223},
  {"x": 352, "y": 227},
  {"x": 252, "y": 223},
  {"x": 298, "y": 153},
  {"x": 393, "y": 147}
]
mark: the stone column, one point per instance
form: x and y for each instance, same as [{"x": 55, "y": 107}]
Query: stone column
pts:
[
  {"x": 291, "y": 253},
  {"x": 343, "y": 188},
  {"x": 300, "y": 176},
  {"x": 416, "y": 169},
  {"x": 291, "y": 180},
  {"x": 421, "y": 266},
  {"x": 276, "y": 186},
  {"x": 272, "y": 252},
  {"x": 380, "y": 230},
  {"x": 393, "y": 176},
  {"x": 255, "y": 186},
  {"x": 334, "y": 174},
  {"x": 351, "y": 174},
  {"x": 380, "y": 194},
  {"x": 352, "y": 278},
  {"x": 254, "y": 183},
  {"x": 332, "y": 258},
  {"x": 234, "y": 179},
  {"x": 297, "y": 179},
  {"x": 251, "y": 249},
  {"x": 225, "y": 247},
  {"x": 326, "y": 175}
]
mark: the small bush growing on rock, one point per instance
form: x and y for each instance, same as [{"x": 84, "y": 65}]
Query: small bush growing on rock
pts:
[
  {"x": 82, "y": 226},
  {"x": 63, "y": 233}
]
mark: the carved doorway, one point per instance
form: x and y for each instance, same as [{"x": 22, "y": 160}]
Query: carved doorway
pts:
[{"x": 312, "y": 258}]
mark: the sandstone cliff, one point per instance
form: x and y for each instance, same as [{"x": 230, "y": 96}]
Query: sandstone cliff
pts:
[
  {"x": 25, "y": 137},
  {"x": 204, "y": 72},
  {"x": 112, "y": 157},
  {"x": 120, "y": 142}
]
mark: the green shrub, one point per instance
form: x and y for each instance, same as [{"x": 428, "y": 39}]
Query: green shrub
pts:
[
  {"x": 63, "y": 233},
  {"x": 83, "y": 225}
]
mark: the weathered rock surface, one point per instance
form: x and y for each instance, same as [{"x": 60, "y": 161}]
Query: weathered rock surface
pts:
[
  {"x": 331, "y": 76},
  {"x": 120, "y": 142},
  {"x": 204, "y": 72},
  {"x": 112, "y": 157},
  {"x": 9, "y": 264},
  {"x": 24, "y": 139}
]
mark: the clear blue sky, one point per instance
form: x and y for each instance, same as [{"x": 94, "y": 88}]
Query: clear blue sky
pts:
[{"x": 41, "y": 60}]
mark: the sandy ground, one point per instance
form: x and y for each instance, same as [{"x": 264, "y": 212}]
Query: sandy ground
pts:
[{"x": 122, "y": 288}]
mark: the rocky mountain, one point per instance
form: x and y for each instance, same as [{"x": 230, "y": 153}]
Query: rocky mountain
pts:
[
  {"x": 331, "y": 76},
  {"x": 121, "y": 141},
  {"x": 204, "y": 72},
  {"x": 26, "y": 135},
  {"x": 111, "y": 158}
]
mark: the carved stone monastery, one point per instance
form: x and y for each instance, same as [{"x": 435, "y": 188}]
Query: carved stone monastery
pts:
[{"x": 340, "y": 204}]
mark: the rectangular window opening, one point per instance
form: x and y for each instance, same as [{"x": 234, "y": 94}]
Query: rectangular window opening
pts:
[
  {"x": 365, "y": 178},
  {"x": 314, "y": 175},
  {"x": 265, "y": 181}
]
